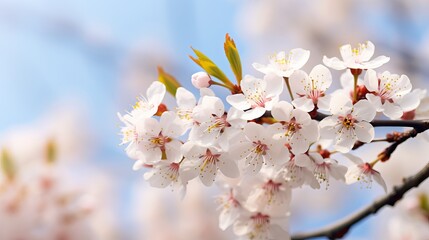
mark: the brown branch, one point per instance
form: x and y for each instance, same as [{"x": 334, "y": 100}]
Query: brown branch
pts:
[{"x": 339, "y": 229}]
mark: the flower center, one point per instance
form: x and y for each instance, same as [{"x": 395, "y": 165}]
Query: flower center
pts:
[
  {"x": 160, "y": 141},
  {"x": 291, "y": 127},
  {"x": 218, "y": 123},
  {"x": 208, "y": 159},
  {"x": 260, "y": 221},
  {"x": 260, "y": 148},
  {"x": 347, "y": 121}
]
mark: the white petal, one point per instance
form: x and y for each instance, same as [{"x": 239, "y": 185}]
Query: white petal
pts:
[
  {"x": 207, "y": 173},
  {"x": 346, "y": 52},
  {"x": 303, "y": 103},
  {"x": 367, "y": 52},
  {"x": 371, "y": 80},
  {"x": 282, "y": 111},
  {"x": 392, "y": 110},
  {"x": 302, "y": 160},
  {"x": 377, "y": 177},
  {"x": 261, "y": 68},
  {"x": 410, "y": 101},
  {"x": 274, "y": 85},
  {"x": 299, "y": 82},
  {"x": 353, "y": 158},
  {"x": 185, "y": 99},
  {"x": 254, "y": 131},
  {"x": 238, "y": 101},
  {"x": 334, "y": 63},
  {"x": 228, "y": 167},
  {"x": 375, "y": 101},
  {"x": 364, "y": 111},
  {"x": 375, "y": 63},
  {"x": 340, "y": 104},
  {"x": 323, "y": 103},
  {"x": 345, "y": 140},
  {"x": 138, "y": 165},
  {"x": 298, "y": 57},
  {"x": 155, "y": 93},
  {"x": 253, "y": 113},
  {"x": 322, "y": 77},
  {"x": 364, "y": 132}
]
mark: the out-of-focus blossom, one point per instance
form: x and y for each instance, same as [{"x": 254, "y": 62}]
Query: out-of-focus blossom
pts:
[{"x": 284, "y": 64}]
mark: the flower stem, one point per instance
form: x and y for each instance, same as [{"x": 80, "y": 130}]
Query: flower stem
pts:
[
  {"x": 288, "y": 87},
  {"x": 355, "y": 91}
]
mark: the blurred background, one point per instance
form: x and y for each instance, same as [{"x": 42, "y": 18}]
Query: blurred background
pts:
[{"x": 67, "y": 67}]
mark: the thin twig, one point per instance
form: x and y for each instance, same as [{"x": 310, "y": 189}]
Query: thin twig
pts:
[{"x": 339, "y": 229}]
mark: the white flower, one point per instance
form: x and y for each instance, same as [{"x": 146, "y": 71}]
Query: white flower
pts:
[
  {"x": 390, "y": 93},
  {"x": 260, "y": 226},
  {"x": 363, "y": 172},
  {"x": 129, "y": 133},
  {"x": 158, "y": 140},
  {"x": 284, "y": 64},
  {"x": 348, "y": 123},
  {"x": 356, "y": 58},
  {"x": 257, "y": 147},
  {"x": 272, "y": 196},
  {"x": 231, "y": 209},
  {"x": 258, "y": 95},
  {"x": 201, "y": 80},
  {"x": 213, "y": 124},
  {"x": 167, "y": 173},
  {"x": 206, "y": 161},
  {"x": 323, "y": 168},
  {"x": 295, "y": 127},
  {"x": 296, "y": 171},
  {"x": 147, "y": 107},
  {"x": 310, "y": 89}
]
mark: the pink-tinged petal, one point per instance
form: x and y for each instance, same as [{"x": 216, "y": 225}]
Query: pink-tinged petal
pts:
[
  {"x": 346, "y": 52},
  {"x": 303, "y": 103},
  {"x": 299, "y": 82},
  {"x": 334, "y": 63},
  {"x": 410, "y": 101},
  {"x": 347, "y": 80},
  {"x": 367, "y": 51},
  {"x": 392, "y": 110},
  {"x": 214, "y": 104},
  {"x": 341, "y": 104},
  {"x": 274, "y": 84},
  {"x": 301, "y": 117},
  {"x": 227, "y": 217},
  {"x": 253, "y": 113},
  {"x": 298, "y": 57},
  {"x": 148, "y": 126},
  {"x": 338, "y": 172},
  {"x": 316, "y": 157},
  {"x": 155, "y": 93},
  {"x": 185, "y": 99},
  {"x": 353, "y": 174},
  {"x": 228, "y": 167},
  {"x": 310, "y": 131},
  {"x": 192, "y": 151},
  {"x": 303, "y": 160},
  {"x": 323, "y": 103},
  {"x": 377, "y": 177},
  {"x": 345, "y": 140},
  {"x": 238, "y": 101},
  {"x": 375, "y": 101},
  {"x": 261, "y": 68},
  {"x": 254, "y": 131},
  {"x": 173, "y": 151},
  {"x": 364, "y": 111},
  {"x": 322, "y": 77},
  {"x": 207, "y": 173},
  {"x": 299, "y": 143},
  {"x": 375, "y": 63},
  {"x": 371, "y": 80},
  {"x": 138, "y": 165},
  {"x": 353, "y": 158},
  {"x": 188, "y": 170},
  {"x": 364, "y": 131},
  {"x": 282, "y": 111},
  {"x": 250, "y": 84}
]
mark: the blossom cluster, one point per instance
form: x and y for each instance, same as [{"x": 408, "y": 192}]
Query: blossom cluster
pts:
[{"x": 258, "y": 146}]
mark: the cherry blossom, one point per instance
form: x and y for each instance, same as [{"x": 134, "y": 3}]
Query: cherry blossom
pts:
[
  {"x": 356, "y": 58},
  {"x": 284, "y": 64},
  {"x": 206, "y": 161},
  {"x": 258, "y": 147},
  {"x": 260, "y": 226},
  {"x": 258, "y": 95},
  {"x": 322, "y": 168},
  {"x": 147, "y": 107},
  {"x": 297, "y": 172},
  {"x": 158, "y": 140},
  {"x": 310, "y": 89},
  {"x": 363, "y": 172},
  {"x": 390, "y": 93},
  {"x": 294, "y": 127},
  {"x": 231, "y": 209},
  {"x": 348, "y": 124},
  {"x": 201, "y": 80}
]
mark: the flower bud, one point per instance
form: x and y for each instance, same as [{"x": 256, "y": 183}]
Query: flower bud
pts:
[{"x": 201, "y": 80}]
